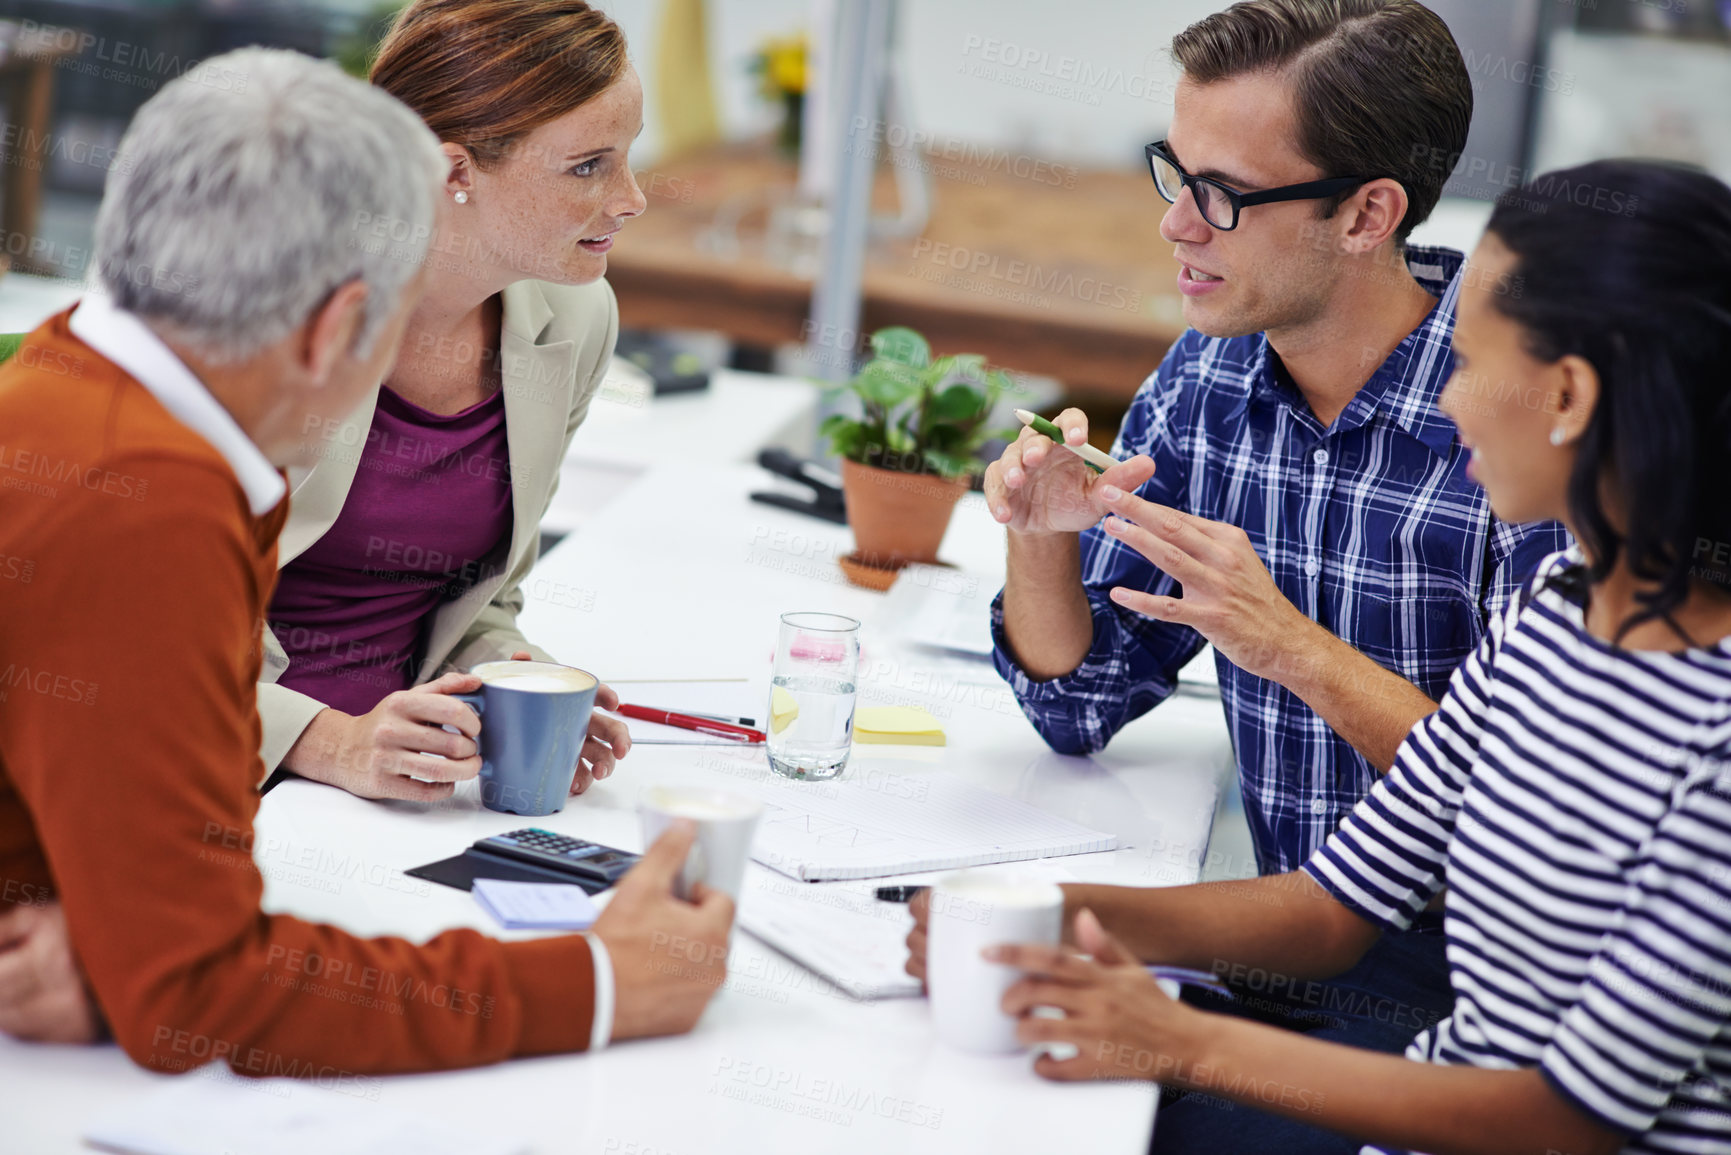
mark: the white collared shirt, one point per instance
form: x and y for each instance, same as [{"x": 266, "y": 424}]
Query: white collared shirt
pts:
[
  {"x": 601, "y": 1030},
  {"x": 125, "y": 340}
]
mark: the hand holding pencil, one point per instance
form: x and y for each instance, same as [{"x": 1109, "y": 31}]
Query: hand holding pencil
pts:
[{"x": 1046, "y": 480}]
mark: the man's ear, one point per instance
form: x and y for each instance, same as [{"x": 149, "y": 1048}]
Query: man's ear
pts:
[
  {"x": 331, "y": 333},
  {"x": 1376, "y": 211}
]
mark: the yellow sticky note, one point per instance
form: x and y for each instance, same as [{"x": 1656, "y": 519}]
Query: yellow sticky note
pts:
[
  {"x": 897, "y": 725},
  {"x": 783, "y": 709}
]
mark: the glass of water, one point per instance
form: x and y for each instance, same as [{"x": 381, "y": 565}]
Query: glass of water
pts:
[{"x": 812, "y": 695}]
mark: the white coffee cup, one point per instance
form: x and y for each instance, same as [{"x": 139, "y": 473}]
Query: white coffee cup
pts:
[
  {"x": 725, "y": 822},
  {"x": 972, "y": 910}
]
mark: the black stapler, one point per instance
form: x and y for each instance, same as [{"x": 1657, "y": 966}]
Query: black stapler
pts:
[{"x": 826, "y": 500}]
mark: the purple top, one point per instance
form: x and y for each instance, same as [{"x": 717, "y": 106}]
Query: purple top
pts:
[{"x": 428, "y": 516}]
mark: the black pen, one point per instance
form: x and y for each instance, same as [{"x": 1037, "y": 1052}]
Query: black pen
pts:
[
  {"x": 898, "y": 893},
  {"x": 728, "y": 718}
]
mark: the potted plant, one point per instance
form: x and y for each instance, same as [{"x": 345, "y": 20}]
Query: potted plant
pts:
[{"x": 910, "y": 454}]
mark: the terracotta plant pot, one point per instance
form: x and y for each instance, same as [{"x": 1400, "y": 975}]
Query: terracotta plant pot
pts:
[{"x": 898, "y": 518}]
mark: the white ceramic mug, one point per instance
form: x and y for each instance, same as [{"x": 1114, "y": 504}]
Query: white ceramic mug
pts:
[
  {"x": 725, "y": 823},
  {"x": 972, "y": 910}
]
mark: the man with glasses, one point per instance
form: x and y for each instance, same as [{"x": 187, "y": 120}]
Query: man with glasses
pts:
[{"x": 1288, "y": 490}]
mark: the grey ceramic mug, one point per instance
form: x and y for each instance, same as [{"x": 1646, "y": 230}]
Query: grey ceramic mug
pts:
[{"x": 534, "y": 718}]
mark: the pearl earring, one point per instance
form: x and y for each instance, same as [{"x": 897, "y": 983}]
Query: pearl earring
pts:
[
  {"x": 462, "y": 198},
  {"x": 1558, "y": 436}
]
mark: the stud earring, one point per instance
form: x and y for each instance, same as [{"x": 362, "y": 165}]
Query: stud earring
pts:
[
  {"x": 1558, "y": 436},
  {"x": 462, "y": 198}
]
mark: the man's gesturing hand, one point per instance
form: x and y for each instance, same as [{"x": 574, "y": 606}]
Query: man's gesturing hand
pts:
[
  {"x": 1039, "y": 487},
  {"x": 1229, "y": 596}
]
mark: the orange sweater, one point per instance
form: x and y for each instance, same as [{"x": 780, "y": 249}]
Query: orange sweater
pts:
[{"x": 133, "y": 585}]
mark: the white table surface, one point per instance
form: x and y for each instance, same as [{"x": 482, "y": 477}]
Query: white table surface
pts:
[
  {"x": 681, "y": 576},
  {"x": 628, "y": 433}
]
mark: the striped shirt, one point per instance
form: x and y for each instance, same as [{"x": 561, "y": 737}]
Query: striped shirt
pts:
[
  {"x": 1577, "y": 798},
  {"x": 1370, "y": 527}
]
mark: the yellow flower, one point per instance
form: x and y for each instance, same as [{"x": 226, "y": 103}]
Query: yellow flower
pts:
[{"x": 783, "y": 63}]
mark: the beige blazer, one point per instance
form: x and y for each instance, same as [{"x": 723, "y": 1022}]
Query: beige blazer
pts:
[{"x": 555, "y": 344}]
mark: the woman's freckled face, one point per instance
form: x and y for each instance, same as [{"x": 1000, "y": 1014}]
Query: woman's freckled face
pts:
[{"x": 554, "y": 203}]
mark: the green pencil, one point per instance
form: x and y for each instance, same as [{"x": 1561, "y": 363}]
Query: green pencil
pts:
[{"x": 1097, "y": 461}]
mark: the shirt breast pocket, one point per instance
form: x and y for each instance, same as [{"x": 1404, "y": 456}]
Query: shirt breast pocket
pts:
[
  {"x": 1416, "y": 615},
  {"x": 1418, "y": 570},
  {"x": 1423, "y": 639}
]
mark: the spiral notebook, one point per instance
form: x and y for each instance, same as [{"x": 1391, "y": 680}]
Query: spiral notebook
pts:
[
  {"x": 840, "y": 932},
  {"x": 875, "y": 825}
]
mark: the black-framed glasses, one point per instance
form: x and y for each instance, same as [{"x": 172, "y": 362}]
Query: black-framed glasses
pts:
[{"x": 1220, "y": 205}]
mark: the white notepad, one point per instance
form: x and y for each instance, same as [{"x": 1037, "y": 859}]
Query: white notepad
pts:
[
  {"x": 535, "y": 905},
  {"x": 212, "y": 1111},
  {"x": 844, "y": 934},
  {"x": 876, "y": 825}
]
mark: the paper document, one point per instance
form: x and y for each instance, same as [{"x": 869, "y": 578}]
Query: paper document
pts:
[
  {"x": 878, "y": 824},
  {"x": 1200, "y": 677},
  {"x": 212, "y": 1111},
  {"x": 941, "y": 607},
  {"x": 535, "y": 905},
  {"x": 840, "y": 932}
]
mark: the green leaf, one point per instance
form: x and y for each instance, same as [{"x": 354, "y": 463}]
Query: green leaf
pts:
[
  {"x": 848, "y": 441},
  {"x": 903, "y": 346},
  {"x": 958, "y": 403},
  {"x": 886, "y": 383},
  {"x": 947, "y": 439},
  {"x": 952, "y": 465}
]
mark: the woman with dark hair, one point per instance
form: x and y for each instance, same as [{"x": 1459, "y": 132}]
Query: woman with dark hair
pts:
[
  {"x": 1572, "y": 787},
  {"x": 404, "y": 553}
]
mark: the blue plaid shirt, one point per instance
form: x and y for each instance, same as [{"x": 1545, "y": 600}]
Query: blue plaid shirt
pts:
[{"x": 1370, "y": 527}]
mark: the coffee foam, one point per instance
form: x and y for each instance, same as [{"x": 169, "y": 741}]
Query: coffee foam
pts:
[
  {"x": 534, "y": 677},
  {"x": 701, "y": 806},
  {"x": 1005, "y": 890}
]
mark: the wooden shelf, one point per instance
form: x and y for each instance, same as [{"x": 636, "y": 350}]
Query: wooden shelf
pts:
[{"x": 1062, "y": 273}]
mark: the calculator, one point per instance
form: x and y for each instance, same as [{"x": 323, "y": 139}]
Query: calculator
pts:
[{"x": 588, "y": 861}]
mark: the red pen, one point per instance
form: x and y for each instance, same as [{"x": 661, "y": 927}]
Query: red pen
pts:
[{"x": 689, "y": 722}]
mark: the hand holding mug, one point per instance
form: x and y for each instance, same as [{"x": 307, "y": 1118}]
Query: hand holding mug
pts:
[
  {"x": 669, "y": 955},
  {"x": 608, "y": 741},
  {"x": 1117, "y": 1022},
  {"x": 398, "y": 749}
]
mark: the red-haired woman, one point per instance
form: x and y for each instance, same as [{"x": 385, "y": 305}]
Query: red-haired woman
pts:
[{"x": 404, "y": 553}]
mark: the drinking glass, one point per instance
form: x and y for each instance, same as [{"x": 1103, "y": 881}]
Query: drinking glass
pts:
[{"x": 811, "y": 698}]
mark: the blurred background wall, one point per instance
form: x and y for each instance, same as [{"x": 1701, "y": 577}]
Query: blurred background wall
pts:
[{"x": 1074, "y": 88}]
